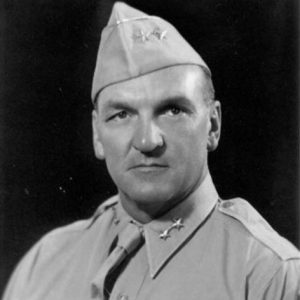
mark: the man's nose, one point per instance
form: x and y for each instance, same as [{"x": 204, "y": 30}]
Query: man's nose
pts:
[{"x": 148, "y": 137}]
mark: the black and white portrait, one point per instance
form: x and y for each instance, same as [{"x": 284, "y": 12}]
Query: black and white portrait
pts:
[{"x": 54, "y": 111}]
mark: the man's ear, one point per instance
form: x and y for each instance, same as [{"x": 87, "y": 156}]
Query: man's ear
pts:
[
  {"x": 98, "y": 147},
  {"x": 215, "y": 126}
]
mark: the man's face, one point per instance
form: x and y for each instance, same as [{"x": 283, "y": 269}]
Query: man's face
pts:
[{"x": 154, "y": 132}]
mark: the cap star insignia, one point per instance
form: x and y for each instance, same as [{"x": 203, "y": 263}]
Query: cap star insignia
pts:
[
  {"x": 159, "y": 34},
  {"x": 141, "y": 36}
]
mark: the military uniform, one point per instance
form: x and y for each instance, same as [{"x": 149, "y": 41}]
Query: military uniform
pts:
[{"x": 201, "y": 249}]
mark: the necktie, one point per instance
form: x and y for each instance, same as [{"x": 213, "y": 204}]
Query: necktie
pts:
[{"x": 128, "y": 240}]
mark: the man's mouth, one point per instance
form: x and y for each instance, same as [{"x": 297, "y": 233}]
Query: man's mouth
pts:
[{"x": 152, "y": 167}]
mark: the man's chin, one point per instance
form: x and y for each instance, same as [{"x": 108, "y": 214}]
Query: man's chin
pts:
[
  {"x": 146, "y": 206},
  {"x": 149, "y": 195}
]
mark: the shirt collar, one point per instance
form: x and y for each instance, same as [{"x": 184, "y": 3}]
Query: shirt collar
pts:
[{"x": 164, "y": 235}]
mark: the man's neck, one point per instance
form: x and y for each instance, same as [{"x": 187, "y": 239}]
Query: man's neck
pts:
[{"x": 145, "y": 213}]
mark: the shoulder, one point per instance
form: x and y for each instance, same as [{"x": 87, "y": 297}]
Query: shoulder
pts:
[
  {"x": 68, "y": 232},
  {"x": 82, "y": 225},
  {"x": 48, "y": 258},
  {"x": 243, "y": 216},
  {"x": 265, "y": 257},
  {"x": 61, "y": 242}
]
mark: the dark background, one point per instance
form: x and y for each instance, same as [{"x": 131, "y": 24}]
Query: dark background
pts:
[{"x": 49, "y": 176}]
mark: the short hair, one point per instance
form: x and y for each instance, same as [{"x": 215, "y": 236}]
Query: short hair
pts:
[{"x": 209, "y": 91}]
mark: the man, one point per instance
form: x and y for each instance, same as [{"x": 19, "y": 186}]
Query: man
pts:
[{"x": 166, "y": 235}]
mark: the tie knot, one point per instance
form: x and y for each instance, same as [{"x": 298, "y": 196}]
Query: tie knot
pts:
[{"x": 130, "y": 237}]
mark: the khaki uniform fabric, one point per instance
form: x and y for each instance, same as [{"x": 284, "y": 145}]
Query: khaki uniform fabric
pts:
[{"x": 208, "y": 249}]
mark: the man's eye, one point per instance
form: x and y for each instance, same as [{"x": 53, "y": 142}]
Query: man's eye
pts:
[
  {"x": 173, "y": 111},
  {"x": 122, "y": 114},
  {"x": 119, "y": 116}
]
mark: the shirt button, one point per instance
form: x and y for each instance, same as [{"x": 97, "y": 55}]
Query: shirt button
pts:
[{"x": 227, "y": 204}]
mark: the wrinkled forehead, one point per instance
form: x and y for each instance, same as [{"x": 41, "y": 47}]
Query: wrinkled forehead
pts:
[{"x": 177, "y": 81}]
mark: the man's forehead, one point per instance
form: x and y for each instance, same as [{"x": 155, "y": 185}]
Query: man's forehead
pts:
[{"x": 173, "y": 82}]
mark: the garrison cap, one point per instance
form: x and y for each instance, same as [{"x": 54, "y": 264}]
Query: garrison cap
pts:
[{"x": 134, "y": 44}]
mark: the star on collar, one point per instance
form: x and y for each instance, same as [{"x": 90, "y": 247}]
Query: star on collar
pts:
[
  {"x": 177, "y": 224},
  {"x": 165, "y": 234}
]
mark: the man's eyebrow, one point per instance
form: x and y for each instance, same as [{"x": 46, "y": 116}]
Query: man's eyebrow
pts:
[
  {"x": 177, "y": 100},
  {"x": 181, "y": 101},
  {"x": 116, "y": 104}
]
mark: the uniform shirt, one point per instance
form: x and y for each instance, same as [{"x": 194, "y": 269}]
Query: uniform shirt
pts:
[{"x": 218, "y": 250}]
